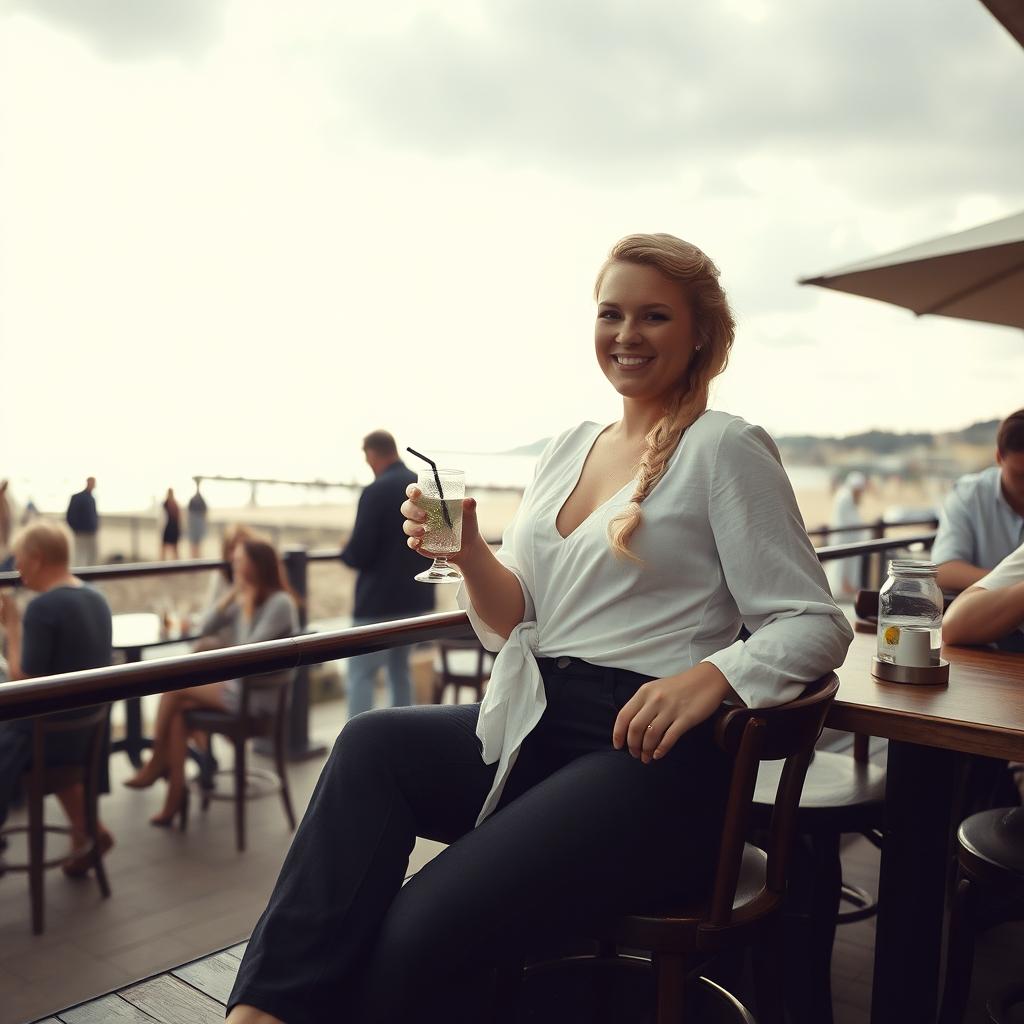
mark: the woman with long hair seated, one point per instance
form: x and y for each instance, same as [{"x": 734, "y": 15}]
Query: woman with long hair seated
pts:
[
  {"x": 257, "y": 606},
  {"x": 588, "y": 782}
]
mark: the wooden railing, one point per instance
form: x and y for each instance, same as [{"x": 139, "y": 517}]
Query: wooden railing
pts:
[
  {"x": 878, "y": 527},
  {"x": 96, "y": 686}
]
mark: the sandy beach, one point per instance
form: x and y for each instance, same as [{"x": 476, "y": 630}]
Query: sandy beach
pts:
[{"x": 327, "y": 526}]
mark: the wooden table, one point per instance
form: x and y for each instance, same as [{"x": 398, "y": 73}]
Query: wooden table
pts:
[
  {"x": 133, "y": 633},
  {"x": 930, "y": 730}
]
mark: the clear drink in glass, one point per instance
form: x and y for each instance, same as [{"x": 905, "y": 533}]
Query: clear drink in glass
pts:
[{"x": 443, "y": 525}]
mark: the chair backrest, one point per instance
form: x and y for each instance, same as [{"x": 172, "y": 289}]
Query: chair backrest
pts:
[
  {"x": 50, "y": 725},
  {"x": 449, "y": 674},
  {"x": 752, "y": 735}
]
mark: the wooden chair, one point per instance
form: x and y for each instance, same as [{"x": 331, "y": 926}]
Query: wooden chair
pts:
[
  {"x": 240, "y": 727},
  {"x": 461, "y": 663},
  {"x": 989, "y": 891},
  {"x": 40, "y": 781},
  {"x": 745, "y": 904},
  {"x": 841, "y": 794}
]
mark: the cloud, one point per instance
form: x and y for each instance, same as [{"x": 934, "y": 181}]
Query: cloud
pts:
[
  {"x": 918, "y": 98},
  {"x": 134, "y": 29}
]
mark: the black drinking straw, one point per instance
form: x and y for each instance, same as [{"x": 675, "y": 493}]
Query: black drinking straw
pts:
[{"x": 437, "y": 480}]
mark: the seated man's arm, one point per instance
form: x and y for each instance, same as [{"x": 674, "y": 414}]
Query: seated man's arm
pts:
[
  {"x": 982, "y": 616},
  {"x": 23, "y": 641},
  {"x": 958, "y": 575}
]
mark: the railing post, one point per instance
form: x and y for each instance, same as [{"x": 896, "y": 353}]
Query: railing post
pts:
[
  {"x": 296, "y": 568},
  {"x": 877, "y": 533}
]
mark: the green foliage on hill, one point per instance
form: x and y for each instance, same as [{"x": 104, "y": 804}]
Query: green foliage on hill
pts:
[{"x": 886, "y": 442}]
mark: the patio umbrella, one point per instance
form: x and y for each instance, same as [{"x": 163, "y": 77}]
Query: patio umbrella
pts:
[
  {"x": 974, "y": 275},
  {"x": 1010, "y": 14}
]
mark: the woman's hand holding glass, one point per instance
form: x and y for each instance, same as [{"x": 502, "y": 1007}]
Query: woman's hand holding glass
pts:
[
  {"x": 415, "y": 528},
  {"x": 662, "y": 710}
]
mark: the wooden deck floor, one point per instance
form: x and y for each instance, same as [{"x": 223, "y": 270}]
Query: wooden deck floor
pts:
[
  {"x": 195, "y": 993},
  {"x": 177, "y": 897}
]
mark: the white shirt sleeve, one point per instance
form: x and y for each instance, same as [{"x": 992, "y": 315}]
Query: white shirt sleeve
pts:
[
  {"x": 797, "y": 631},
  {"x": 489, "y": 639},
  {"x": 1007, "y": 573},
  {"x": 954, "y": 541}
]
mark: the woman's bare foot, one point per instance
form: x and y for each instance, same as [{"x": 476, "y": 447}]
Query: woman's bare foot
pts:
[
  {"x": 243, "y": 1014},
  {"x": 148, "y": 774}
]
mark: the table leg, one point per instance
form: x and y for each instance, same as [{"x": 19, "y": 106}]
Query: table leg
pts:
[
  {"x": 134, "y": 742},
  {"x": 919, "y": 797}
]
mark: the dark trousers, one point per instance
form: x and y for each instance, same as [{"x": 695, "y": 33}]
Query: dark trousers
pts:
[{"x": 583, "y": 832}]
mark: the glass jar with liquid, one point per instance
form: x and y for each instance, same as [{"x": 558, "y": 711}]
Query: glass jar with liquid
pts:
[{"x": 910, "y": 615}]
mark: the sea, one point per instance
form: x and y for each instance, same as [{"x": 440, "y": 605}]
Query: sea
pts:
[{"x": 143, "y": 490}]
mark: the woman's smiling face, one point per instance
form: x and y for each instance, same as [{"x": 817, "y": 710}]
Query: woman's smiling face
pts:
[{"x": 644, "y": 335}]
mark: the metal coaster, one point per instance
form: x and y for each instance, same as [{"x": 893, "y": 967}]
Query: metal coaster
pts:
[{"x": 933, "y": 675}]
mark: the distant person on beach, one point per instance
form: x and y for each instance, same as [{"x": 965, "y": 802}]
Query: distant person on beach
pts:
[
  {"x": 982, "y": 521},
  {"x": 197, "y": 511},
  {"x": 29, "y": 513},
  {"x": 844, "y": 575},
  {"x": 84, "y": 521},
  {"x": 385, "y": 588},
  {"x": 258, "y": 606},
  {"x": 992, "y": 610},
  {"x": 588, "y": 783},
  {"x": 172, "y": 526},
  {"x": 67, "y": 627}
]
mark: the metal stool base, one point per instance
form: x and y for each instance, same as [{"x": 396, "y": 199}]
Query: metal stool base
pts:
[{"x": 864, "y": 904}]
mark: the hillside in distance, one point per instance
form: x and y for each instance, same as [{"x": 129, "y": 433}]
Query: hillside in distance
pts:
[{"x": 951, "y": 452}]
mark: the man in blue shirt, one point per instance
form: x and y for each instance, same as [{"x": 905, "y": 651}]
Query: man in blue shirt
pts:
[
  {"x": 385, "y": 587},
  {"x": 983, "y": 518}
]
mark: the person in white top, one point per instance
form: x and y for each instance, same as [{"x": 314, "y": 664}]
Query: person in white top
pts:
[
  {"x": 844, "y": 574},
  {"x": 587, "y": 783},
  {"x": 992, "y": 610}
]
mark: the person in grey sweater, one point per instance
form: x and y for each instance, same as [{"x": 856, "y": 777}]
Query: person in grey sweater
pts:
[{"x": 258, "y": 606}]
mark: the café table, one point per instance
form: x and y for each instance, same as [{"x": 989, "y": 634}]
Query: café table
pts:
[
  {"x": 133, "y": 633},
  {"x": 931, "y": 730}
]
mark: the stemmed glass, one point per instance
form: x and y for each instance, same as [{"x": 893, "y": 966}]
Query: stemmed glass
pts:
[{"x": 441, "y": 494}]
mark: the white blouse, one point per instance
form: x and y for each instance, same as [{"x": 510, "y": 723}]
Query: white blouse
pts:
[{"x": 723, "y": 545}]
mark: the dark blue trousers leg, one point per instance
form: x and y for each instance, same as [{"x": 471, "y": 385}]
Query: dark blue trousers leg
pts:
[{"x": 394, "y": 773}]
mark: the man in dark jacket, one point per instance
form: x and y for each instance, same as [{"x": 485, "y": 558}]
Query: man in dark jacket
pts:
[
  {"x": 385, "y": 587},
  {"x": 85, "y": 523}
]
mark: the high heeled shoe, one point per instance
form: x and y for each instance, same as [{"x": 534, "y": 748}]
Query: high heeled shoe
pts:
[
  {"x": 79, "y": 864},
  {"x": 166, "y": 820}
]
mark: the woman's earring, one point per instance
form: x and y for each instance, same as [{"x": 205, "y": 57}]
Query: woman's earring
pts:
[{"x": 698, "y": 348}]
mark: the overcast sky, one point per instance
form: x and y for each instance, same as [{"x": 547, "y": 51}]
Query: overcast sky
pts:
[{"x": 235, "y": 236}]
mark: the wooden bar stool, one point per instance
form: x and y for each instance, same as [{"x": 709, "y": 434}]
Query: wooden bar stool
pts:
[
  {"x": 744, "y": 907},
  {"x": 841, "y": 794},
  {"x": 989, "y": 891},
  {"x": 461, "y": 663},
  {"x": 41, "y": 780},
  {"x": 250, "y": 722}
]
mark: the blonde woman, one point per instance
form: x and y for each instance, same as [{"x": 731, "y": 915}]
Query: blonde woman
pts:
[{"x": 588, "y": 782}]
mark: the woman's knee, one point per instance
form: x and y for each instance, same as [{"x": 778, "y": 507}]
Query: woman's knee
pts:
[{"x": 369, "y": 737}]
